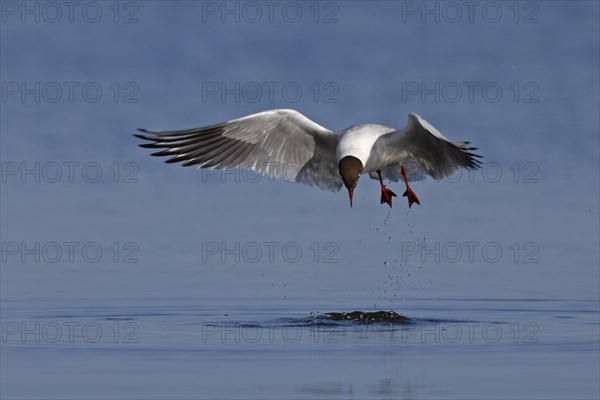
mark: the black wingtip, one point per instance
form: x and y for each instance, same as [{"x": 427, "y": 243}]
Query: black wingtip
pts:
[
  {"x": 167, "y": 152},
  {"x": 150, "y": 146}
]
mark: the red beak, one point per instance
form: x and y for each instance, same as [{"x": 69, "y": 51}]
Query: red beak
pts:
[{"x": 350, "y": 192}]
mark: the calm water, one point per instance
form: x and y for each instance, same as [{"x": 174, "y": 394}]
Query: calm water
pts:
[{"x": 123, "y": 277}]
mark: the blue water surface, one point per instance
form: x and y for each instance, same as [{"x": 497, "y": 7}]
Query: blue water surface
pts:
[{"x": 124, "y": 277}]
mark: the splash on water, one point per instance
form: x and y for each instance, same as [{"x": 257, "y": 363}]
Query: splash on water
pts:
[{"x": 374, "y": 317}]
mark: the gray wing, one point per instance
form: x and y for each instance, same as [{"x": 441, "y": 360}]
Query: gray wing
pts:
[
  {"x": 283, "y": 144},
  {"x": 422, "y": 149}
]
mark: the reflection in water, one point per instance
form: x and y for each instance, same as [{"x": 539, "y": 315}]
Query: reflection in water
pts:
[
  {"x": 391, "y": 385},
  {"x": 384, "y": 390}
]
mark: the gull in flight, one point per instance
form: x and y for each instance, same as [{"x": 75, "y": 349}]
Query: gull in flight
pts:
[{"x": 287, "y": 145}]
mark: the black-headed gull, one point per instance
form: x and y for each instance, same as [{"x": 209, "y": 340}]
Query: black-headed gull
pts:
[{"x": 285, "y": 144}]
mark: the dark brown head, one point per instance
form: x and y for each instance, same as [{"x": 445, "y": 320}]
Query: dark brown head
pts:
[{"x": 350, "y": 170}]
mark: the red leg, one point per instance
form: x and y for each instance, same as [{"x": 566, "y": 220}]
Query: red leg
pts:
[
  {"x": 412, "y": 197},
  {"x": 386, "y": 194}
]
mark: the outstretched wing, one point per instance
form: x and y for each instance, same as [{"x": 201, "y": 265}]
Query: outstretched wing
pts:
[
  {"x": 423, "y": 149},
  {"x": 283, "y": 144}
]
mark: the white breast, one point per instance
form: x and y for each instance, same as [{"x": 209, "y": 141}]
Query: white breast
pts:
[{"x": 358, "y": 140}]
